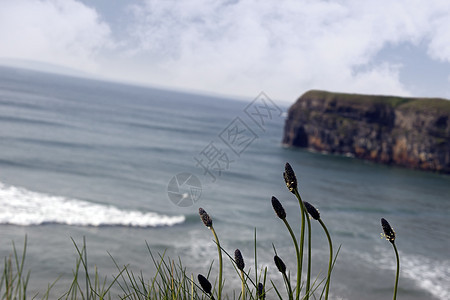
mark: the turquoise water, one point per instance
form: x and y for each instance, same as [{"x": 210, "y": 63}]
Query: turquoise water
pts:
[{"x": 83, "y": 158}]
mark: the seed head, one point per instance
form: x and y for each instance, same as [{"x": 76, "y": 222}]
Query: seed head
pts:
[
  {"x": 289, "y": 178},
  {"x": 205, "y": 217},
  {"x": 280, "y": 264},
  {"x": 313, "y": 212},
  {"x": 205, "y": 284},
  {"x": 239, "y": 260},
  {"x": 389, "y": 233},
  {"x": 260, "y": 292},
  {"x": 278, "y": 208}
]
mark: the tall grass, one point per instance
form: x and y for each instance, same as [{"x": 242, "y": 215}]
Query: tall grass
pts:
[
  {"x": 14, "y": 282},
  {"x": 173, "y": 281}
]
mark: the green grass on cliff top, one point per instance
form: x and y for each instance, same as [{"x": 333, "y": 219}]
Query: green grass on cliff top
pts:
[{"x": 428, "y": 104}]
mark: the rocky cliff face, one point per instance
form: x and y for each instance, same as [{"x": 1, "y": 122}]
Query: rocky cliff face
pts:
[{"x": 409, "y": 132}]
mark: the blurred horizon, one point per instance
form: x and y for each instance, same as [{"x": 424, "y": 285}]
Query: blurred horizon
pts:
[{"x": 239, "y": 48}]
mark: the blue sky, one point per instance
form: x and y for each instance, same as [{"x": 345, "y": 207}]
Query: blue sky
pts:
[{"x": 239, "y": 48}]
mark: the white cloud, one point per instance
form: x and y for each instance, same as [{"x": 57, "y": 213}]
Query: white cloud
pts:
[
  {"x": 439, "y": 47},
  {"x": 233, "y": 47},
  {"x": 63, "y": 32},
  {"x": 283, "y": 48}
]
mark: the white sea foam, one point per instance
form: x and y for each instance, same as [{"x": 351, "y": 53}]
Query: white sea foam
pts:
[
  {"x": 429, "y": 274},
  {"x": 19, "y": 206}
]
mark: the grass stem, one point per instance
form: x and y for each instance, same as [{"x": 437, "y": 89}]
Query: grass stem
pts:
[
  {"x": 219, "y": 293},
  {"x": 288, "y": 284},
  {"x": 308, "y": 276},
  {"x": 398, "y": 270},
  {"x": 297, "y": 252},
  {"x": 243, "y": 285},
  {"x": 330, "y": 263},
  {"x": 302, "y": 242}
]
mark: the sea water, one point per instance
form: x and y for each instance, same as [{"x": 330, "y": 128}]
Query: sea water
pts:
[{"x": 121, "y": 166}]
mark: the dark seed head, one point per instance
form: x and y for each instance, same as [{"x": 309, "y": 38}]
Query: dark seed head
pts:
[
  {"x": 260, "y": 292},
  {"x": 313, "y": 212},
  {"x": 389, "y": 233},
  {"x": 205, "y": 284},
  {"x": 289, "y": 178},
  {"x": 278, "y": 208},
  {"x": 239, "y": 260},
  {"x": 205, "y": 217},
  {"x": 280, "y": 264}
]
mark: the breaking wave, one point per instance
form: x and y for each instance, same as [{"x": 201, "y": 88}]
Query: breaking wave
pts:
[{"x": 22, "y": 207}]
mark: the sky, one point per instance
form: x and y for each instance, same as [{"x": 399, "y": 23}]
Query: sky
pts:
[{"x": 238, "y": 48}]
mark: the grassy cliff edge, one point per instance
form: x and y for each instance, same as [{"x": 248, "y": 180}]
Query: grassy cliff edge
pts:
[{"x": 404, "y": 131}]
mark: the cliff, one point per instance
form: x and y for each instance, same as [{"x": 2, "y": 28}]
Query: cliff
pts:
[{"x": 410, "y": 132}]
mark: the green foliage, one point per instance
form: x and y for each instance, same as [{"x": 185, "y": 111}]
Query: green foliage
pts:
[
  {"x": 419, "y": 104},
  {"x": 431, "y": 105},
  {"x": 13, "y": 284}
]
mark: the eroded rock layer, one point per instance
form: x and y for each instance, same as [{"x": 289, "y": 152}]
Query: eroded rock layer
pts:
[{"x": 410, "y": 132}]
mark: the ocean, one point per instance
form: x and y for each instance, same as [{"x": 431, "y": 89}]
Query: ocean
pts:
[{"x": 122, "y": 166}]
